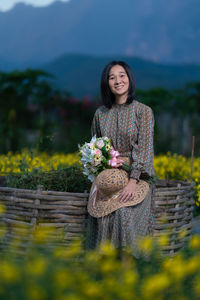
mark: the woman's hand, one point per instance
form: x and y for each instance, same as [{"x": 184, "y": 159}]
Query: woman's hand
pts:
[{"x": 128, "y": 191}]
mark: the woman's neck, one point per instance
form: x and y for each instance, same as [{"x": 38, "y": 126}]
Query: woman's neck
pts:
[{"x": 121, "y": 99}]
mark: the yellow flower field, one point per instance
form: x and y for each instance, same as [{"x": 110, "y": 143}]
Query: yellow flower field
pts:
[
  {"x": 59, "y": 275},
  {"x": 173, "y": 165},
  {"x": 17, "y": 163},
  {"x": 178, "y": 167},
  {"x": 71, "y": 273}
]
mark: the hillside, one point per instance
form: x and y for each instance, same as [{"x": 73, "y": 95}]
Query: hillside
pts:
[
  {"x": 80, "y": 74},
  {"x": 162, "y": 31}
]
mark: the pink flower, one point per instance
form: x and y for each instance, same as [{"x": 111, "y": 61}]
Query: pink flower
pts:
[
  {"x": 97, "y": 152},
  {"x": 114, "y": 153},
  {"x": 113, "y": 162},
  {"x": 100, "y": 144}
]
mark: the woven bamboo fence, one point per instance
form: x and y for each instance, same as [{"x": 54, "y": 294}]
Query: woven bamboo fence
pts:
[
  {"x": 29, "y": 210},
  {"x": 173, "y": 213},
  {"x": 67, "y": 213}
]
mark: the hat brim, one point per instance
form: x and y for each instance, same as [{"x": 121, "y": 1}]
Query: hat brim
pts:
[{"x": 99, "y": 207}]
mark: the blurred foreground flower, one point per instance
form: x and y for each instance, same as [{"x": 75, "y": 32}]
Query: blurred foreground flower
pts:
[{"x": 70, "y": 272}]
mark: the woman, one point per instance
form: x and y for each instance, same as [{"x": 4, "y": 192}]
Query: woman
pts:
[{"x": 130, "y": 125}]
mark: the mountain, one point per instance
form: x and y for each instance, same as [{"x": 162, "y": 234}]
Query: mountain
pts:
[
  {"x": 80, "y": 74},
  {"x": 161, "y": 31}
]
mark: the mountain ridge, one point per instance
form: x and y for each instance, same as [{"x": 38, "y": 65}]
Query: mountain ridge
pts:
[
  {"x": 157, "y": 31},
  {"x": 80, "y": 74}
]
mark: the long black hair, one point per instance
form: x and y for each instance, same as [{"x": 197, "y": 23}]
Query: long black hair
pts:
[{"x": 107, "y": 97}]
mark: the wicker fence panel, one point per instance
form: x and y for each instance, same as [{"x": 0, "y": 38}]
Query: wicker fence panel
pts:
[
  {"x": 67, "y": 213},
  {"x": 174, "y": 212},
  {"x": 27, "y": 210}
]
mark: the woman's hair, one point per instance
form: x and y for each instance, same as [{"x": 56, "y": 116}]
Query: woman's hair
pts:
[{"x": 107, "y": 97}]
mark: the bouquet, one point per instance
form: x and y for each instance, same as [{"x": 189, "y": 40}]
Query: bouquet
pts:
[{"x": 98, "y": 155}]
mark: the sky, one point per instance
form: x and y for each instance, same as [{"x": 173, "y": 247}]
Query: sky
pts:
[{"x": 8, "y": 4}]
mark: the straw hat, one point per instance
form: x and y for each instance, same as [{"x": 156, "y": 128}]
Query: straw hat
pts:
[{"x": 106, "y": 189}]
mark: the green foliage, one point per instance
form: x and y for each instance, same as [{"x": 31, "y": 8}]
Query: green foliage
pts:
[
  {"x": 180, "y": 102},
  {"x": 181, "y": 107},
  {"x": 36, "y": 115},
  {"x": 70, "y": 179},
  {"x": 19, "y": 93}
]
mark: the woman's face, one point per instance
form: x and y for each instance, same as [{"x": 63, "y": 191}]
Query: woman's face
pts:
[{"x": 118, "y": 81}]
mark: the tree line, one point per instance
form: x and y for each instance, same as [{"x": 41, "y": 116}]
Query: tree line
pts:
[{"x": 36, "y": 115}]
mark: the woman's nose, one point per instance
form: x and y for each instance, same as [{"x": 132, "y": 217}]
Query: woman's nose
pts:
[{"x": 117, "y": 80}]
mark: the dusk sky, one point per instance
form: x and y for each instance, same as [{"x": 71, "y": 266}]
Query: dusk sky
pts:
[{"x": 8, "y": 4}]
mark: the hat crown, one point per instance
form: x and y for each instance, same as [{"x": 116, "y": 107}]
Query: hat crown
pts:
[{"x": 111, "y": 180}]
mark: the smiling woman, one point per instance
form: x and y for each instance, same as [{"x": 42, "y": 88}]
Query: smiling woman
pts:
[
  {"x": 129, "y": 124},
  {"x": 9, "y": 4}
]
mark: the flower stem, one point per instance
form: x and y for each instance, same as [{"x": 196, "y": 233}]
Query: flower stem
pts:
[{"x": 126, "y": 167}]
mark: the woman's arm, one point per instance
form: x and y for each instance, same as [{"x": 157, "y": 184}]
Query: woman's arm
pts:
[
  {"x": 143, "y": 150},
  {"x": 142, "y": 153}
]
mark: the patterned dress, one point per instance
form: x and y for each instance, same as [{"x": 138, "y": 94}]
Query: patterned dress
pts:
[{"x": 130, "y": 128}]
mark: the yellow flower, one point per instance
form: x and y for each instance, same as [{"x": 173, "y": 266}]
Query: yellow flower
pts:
[
  {"x": 163, "y": 240},
  {"x": 9, "y": 273},
  {"x": 63, "y": 278},
  {"x": 175, "y": 267},
  {"x": 73, "y": 250},
  {"x": 2, "y": 209},
  {"x": 155, "y": 285},
  {"x": 3, "y": 230},
  {"x": 130, "y": 277},
  {"x": 35, "y": 292},
  {"x": 192, "y": 265},
  {"x": 195, "y": 242},
  {"x": 108, "y": 249},
  {"x": 43, "y": 234},
  {"x": 93, "y": 290},
  {"x": 108, "y": 266},
  {"x": 183, "y": 233},
  {"x": 93, "y": 257},
  {"x": 37, "y": 267},
  {"x": 108, "y": 147},
  {"x": 146, "y": 244},
  {"x": 97, "y": 158}
]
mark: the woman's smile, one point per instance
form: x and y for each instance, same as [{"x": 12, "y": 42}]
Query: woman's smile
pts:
[
  {"x": 119, "y": 87},
  {"x": 118, "y": 81}
]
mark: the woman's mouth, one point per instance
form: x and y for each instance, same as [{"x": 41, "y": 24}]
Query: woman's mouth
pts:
[{"x": 119, "y": 87}]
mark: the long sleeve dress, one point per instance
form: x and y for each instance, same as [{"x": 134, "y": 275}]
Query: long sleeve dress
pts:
[{"x": 130, "y": 128}]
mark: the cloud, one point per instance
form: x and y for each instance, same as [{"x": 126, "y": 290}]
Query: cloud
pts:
[{"x": 8, "y": 4}]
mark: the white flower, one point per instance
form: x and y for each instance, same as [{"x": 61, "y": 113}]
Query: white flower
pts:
[
  {"x": 92, "y": 156},
  {"x": 91, "y": 178},
  {"x": 93, "y": 140}
]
